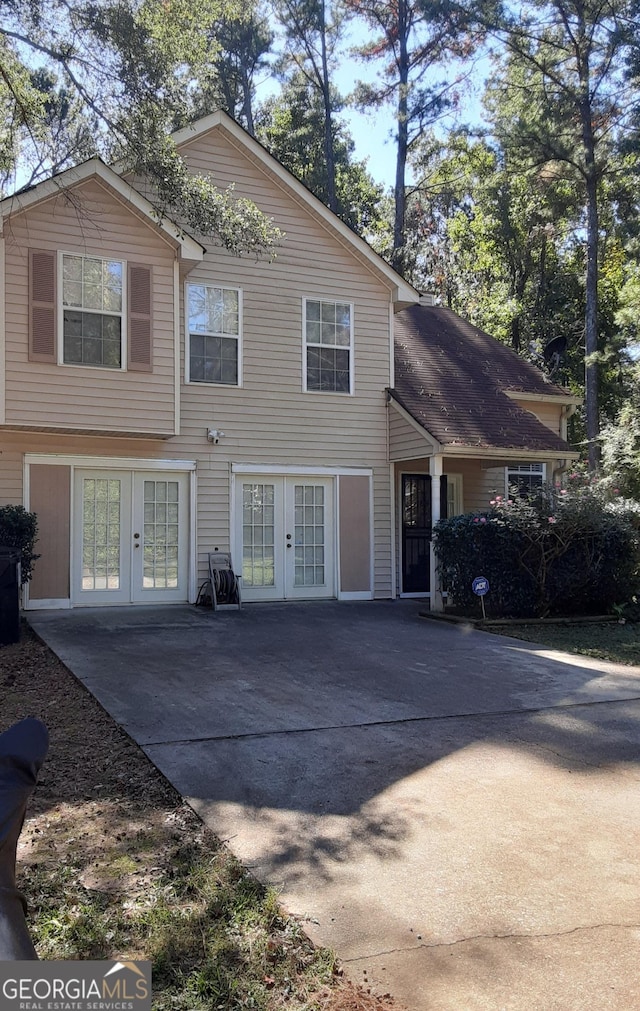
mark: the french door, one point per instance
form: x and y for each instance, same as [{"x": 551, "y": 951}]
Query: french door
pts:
[
  {"x": 285, "y": 537},
  {"x": 131, "y": 537}
]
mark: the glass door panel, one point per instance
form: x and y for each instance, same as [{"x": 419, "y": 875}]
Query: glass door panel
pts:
[
  {"x": 102, "y": 514},
  {"x": 309, "y": 525},
  {"x": 160, "y": 537}
]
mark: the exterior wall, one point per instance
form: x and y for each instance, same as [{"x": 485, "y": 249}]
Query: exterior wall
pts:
[
  {"x": 479, "y": 483},
  {"x": 405, "y": 443},
  {"x": 269, "y": 420},
  {"x": 50, "y": 499},
  {"x": 82, "y": 397},
  {"x": 549, "y": 414},
  {"x": 355, "y": 547}
]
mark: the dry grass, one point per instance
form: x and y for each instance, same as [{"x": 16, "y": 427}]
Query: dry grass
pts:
[{"x": 114, "y": 864}]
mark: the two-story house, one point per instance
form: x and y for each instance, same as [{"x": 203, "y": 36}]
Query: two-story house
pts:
[{"x": 162, "y": 397}]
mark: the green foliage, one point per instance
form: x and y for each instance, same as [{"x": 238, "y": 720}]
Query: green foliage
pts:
[
  {"x": 291, "y": 127},
  {"x": 567, "y": 551},
  {"x": 621, "y": 444},
  {"x": 241, "y": 43},
  {"x": 18, "y": 529},
  {"x": 131, "y": 66}
]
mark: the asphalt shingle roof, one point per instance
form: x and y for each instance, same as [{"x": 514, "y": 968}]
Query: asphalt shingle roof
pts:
[{"x": 452, "y": 378}]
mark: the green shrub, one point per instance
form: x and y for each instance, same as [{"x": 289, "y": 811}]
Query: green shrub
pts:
[
  {"x": 560, "y": 550},
  {"x": 18, "y": 529}
]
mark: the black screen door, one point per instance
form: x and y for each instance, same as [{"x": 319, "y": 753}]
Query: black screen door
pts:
[{"x": 416, "y": 529}]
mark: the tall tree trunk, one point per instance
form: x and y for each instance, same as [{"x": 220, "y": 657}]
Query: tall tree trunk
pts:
[
  {"x": 591, "y": 327},
  {"x": 328, "y": 119},
  {"x": 247, "y": 110},
  {"x": 397, "y": 257},
  {"x": 591, "y": 300}
]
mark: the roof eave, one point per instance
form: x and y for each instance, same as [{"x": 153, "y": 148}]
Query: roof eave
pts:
[
  {"x": 509, "y": 453},
  {"x": 549, "y": 398},
  {"x": 189, "y": 249}
]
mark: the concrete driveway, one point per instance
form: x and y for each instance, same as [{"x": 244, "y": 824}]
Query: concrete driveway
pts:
[{"x": 456, "y": 813}]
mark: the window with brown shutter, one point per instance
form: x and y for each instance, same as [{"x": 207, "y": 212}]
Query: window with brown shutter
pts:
[
  {"x": 140, "y": 356},
  {"x": 42, "y": 306}
]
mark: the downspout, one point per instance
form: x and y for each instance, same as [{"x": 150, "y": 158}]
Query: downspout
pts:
[{"x": 566, "y": 412}]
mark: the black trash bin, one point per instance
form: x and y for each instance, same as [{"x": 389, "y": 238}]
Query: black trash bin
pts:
[{"x": 9, "y": 595}]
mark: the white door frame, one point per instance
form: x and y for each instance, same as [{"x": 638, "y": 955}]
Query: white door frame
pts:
[
  {"x": 126, "y": 463},
  {"x": 284, "y": 587},
  {"x": 258, "y": 471}
]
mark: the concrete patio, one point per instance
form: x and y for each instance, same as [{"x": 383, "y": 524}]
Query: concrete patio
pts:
[{"x": 456, "y": 813}]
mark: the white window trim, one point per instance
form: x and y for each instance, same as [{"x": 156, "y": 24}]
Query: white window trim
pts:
[
  {"x": 454, "y": 492},
  {"x": 61, "y": 307},
  {"x": 187, "y": 336},
  {"x": 526, "y": 469},
  {"x": 305, "y": 345}
]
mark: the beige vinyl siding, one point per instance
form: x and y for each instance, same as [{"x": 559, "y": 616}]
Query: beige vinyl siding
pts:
[
  {"x": 405, "y": 441},
  {"x": 11, "y": 473},
  {"x": 549, "y": 414},
  {"x": 269, "y": 420},
  {"x": 81, "y": 397},
  {"x": 479, "y": 482}
]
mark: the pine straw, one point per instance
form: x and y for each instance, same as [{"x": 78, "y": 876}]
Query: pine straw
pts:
[{"x": 114, "y": 864}]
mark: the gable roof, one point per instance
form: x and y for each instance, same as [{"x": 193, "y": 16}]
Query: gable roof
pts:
[
  {"x": 459, "y": 384},
  {"x": 95, "y": 168},
  {"x": 403, "y": 292}
]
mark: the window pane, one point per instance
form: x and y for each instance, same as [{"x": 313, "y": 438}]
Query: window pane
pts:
[
  {"x": 92, "y": 296},
  {"x": 72, "y": 268},
  {"x": 92, "y": 339},
  {"x": 92, "y": 270},
  {"x": 313, "y": 332},
  {"x": 343, "y": 313},
  {"x": 328, "y": 333},
  {"x": 72, "y": 292},
  {"x": 214, "y": 359},
  {"x": 197, "y": 303},
  {"x": 112, "y": 299},
  {"x": 328, "y": 312},
  {"x": 343, "y": 334},
  {"x": 313, "y": 311}
]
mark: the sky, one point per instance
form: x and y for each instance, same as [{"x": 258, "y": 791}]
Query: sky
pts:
[{"x": 373, "y": 132}]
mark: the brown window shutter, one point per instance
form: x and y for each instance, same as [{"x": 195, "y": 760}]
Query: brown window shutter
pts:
[
  {"x": 42, "y": 305},
  {"x": 140, "y": 329}
]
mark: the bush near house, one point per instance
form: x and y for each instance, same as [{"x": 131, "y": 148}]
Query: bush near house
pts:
[
  {"x": 19, "y": 529},
  {"x": 573, "y": 550}
]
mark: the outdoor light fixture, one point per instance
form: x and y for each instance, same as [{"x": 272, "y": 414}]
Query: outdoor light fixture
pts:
[{"x": 214, "y": 435}]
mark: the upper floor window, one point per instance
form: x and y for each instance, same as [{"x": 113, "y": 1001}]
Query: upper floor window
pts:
[
  {"x": 328, "y": 351},
  {"x": 526, "y": 476},
  {"x": 92, "y": 311},
  {"x": 214, "y": 334}
]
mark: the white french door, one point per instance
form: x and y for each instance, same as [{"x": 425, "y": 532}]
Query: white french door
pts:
[
  {"x": 131, "y": 537},
  {"x": 285, "y": 537}
]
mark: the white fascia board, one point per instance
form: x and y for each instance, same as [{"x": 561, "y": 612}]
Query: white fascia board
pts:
[
  {"x": 108, "y": 462},
  {"x": 561, "y": 399},
  {"x": 494, "y": 453},
  {"x": 303, "y": 470},
  {"x": 404, "y": 294},
  {"x": 95, "y": 168}
]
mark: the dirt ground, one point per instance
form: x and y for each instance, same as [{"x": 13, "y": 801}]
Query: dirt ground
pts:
[{"x": 103, "y": 835}]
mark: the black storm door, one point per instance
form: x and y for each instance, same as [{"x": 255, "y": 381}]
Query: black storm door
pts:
[{"x": 416, "y": 530}]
